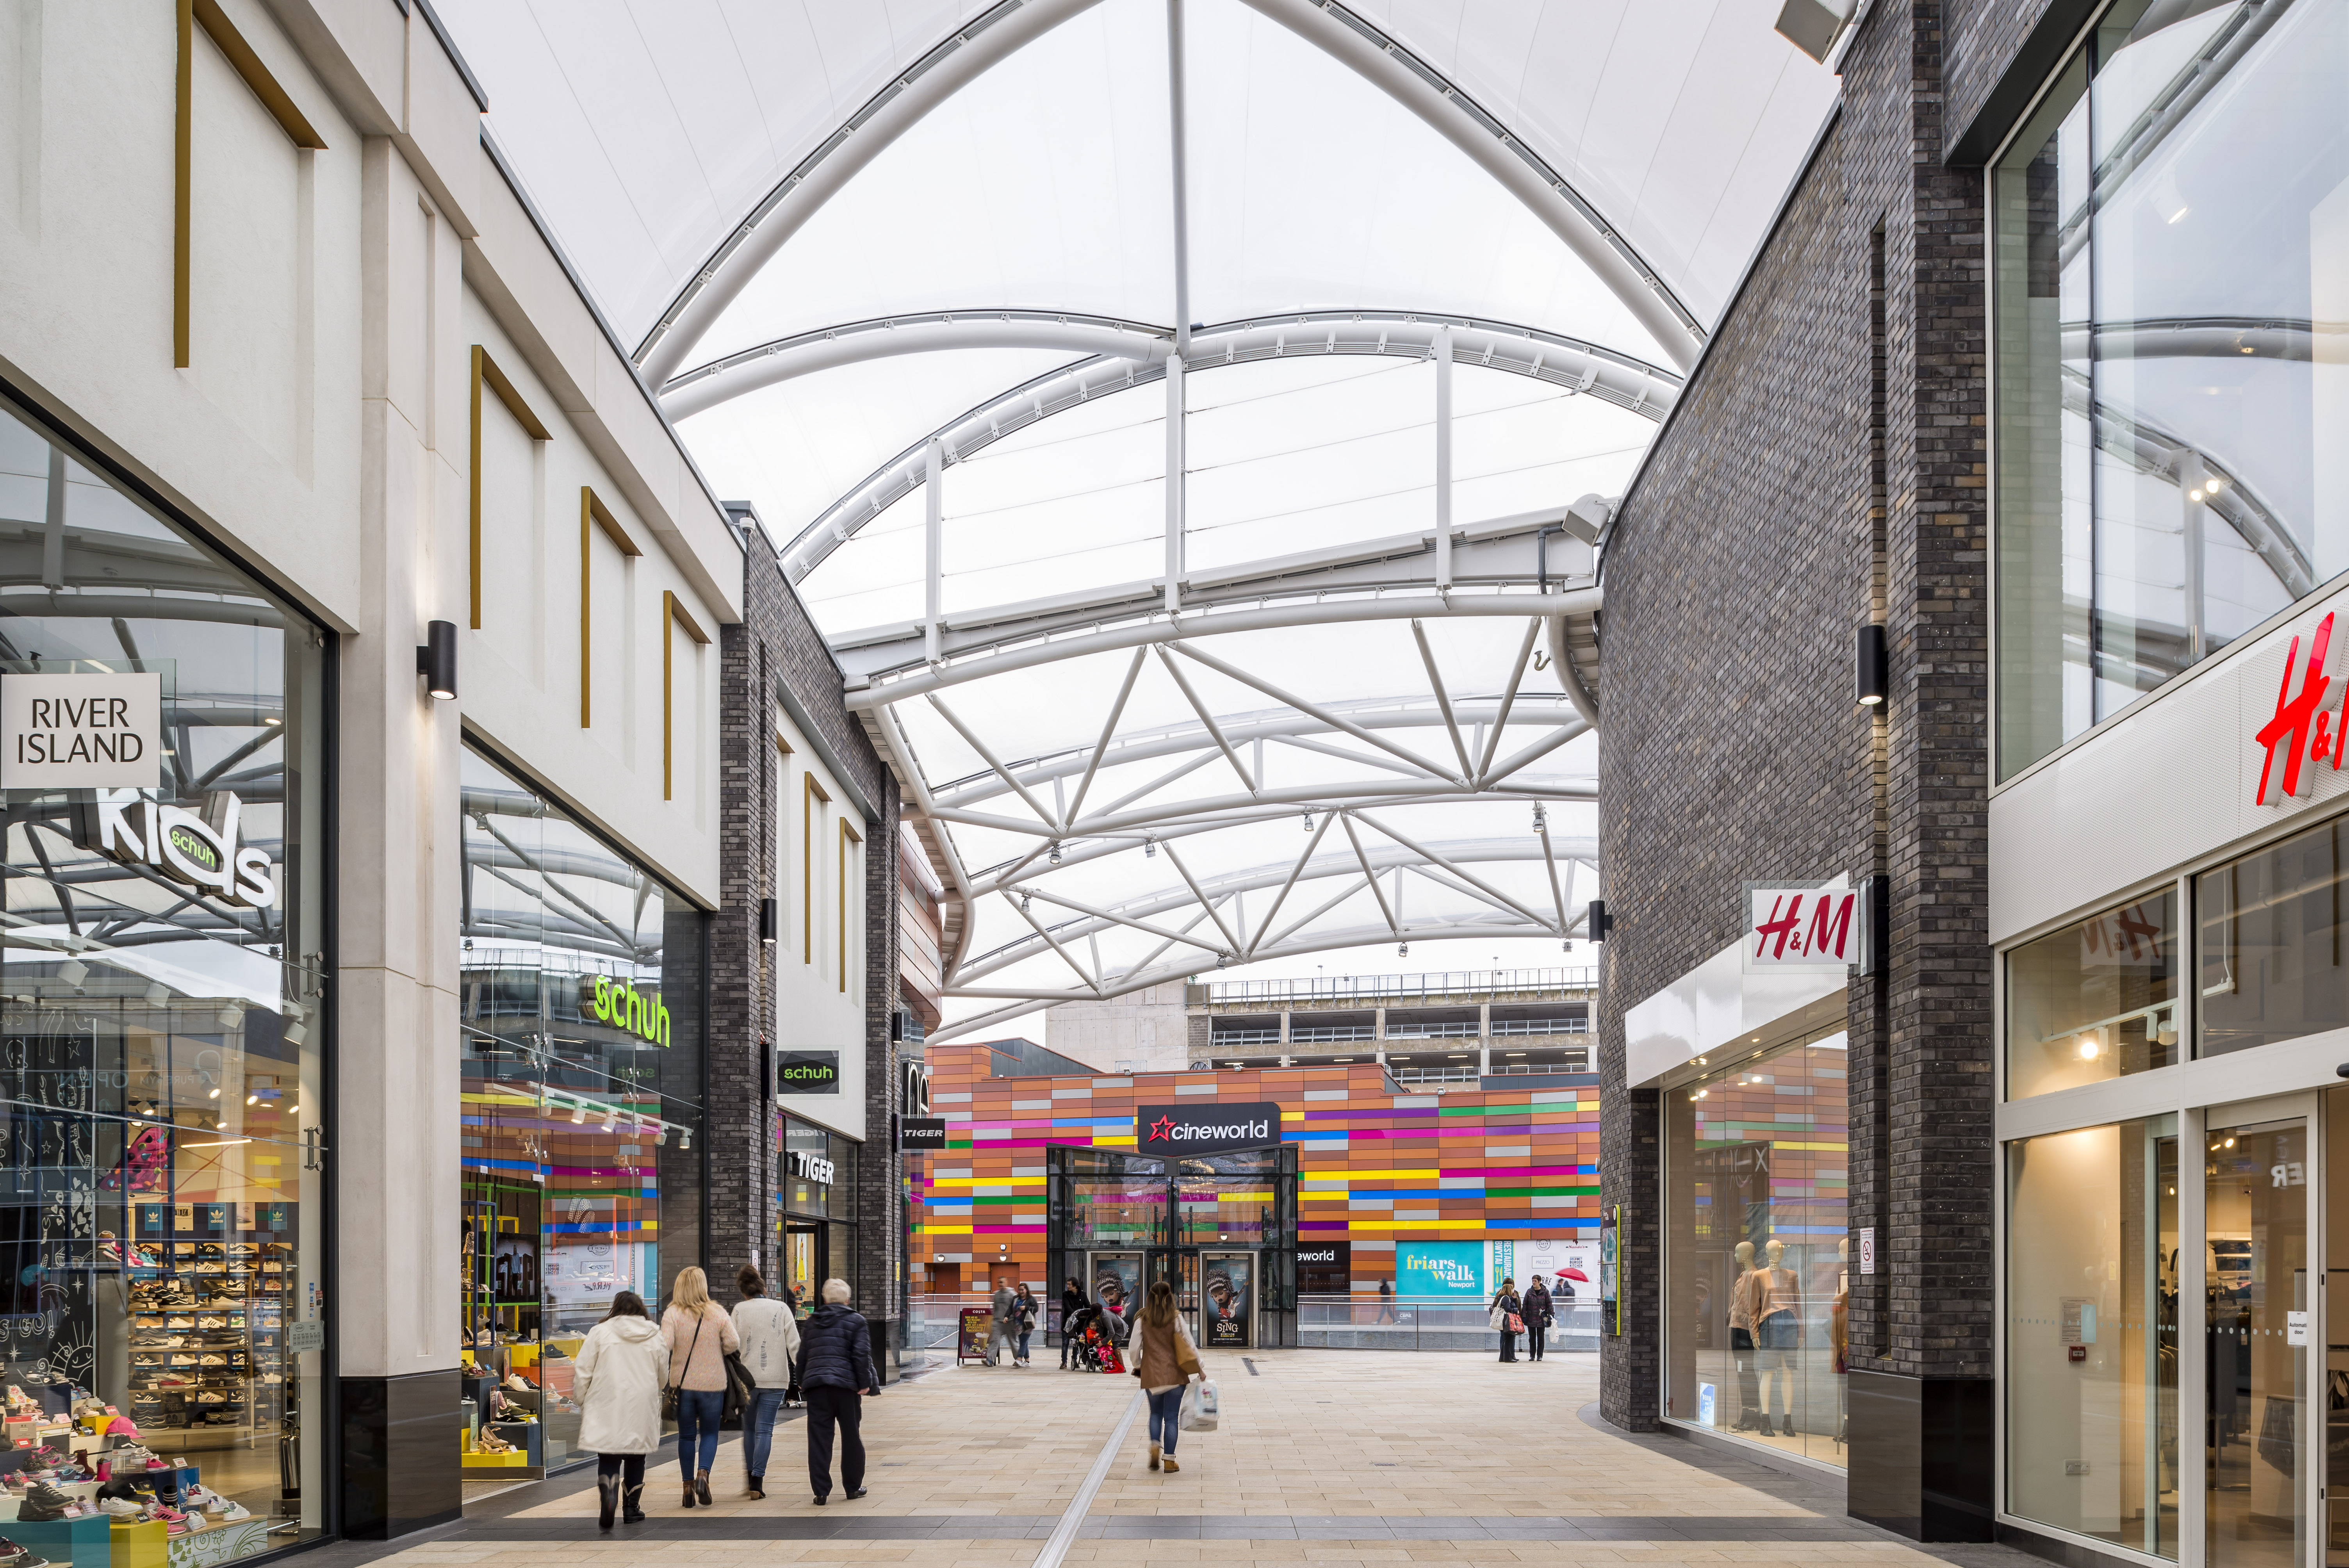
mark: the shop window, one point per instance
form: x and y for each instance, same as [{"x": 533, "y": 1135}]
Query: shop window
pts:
[
  {"x": 2091, "y": 1336},
  {"x": 2270, "y": 959},
  {"x": 582, "y": 1089},
  {"x": 162, "y": 1232},
  {"x": 2096, "y": 1000},
  {"x": 2171, "y": 268},
  {"x": 1757, "y": 1255}
]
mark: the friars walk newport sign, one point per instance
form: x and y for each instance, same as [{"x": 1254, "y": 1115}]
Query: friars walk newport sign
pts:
[{"x": 1179, "y": 1129}]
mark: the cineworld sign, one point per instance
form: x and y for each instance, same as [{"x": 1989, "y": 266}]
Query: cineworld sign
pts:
[{"x": 1206, "y": 1129}]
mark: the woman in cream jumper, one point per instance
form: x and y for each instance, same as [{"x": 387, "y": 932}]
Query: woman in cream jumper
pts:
[
  {"x": 700, "y": 1336},
  {"x": 1164, "y": 1360}
]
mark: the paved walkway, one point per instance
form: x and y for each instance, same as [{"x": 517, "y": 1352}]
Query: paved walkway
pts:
[{"x": 1326, "y": 1457}]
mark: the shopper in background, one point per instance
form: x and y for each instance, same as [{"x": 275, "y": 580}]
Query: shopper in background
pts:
[
  {"x": 835, "y": 1370},
  {"x": 1164, "y": 1360},
  {"x": 1538, "y": 1318},
  {"x": 1000, "y": 1329},
  {"x": 1507, "y": 1309},
  {"x": 1386, "y": 1304},
  {"x": 1072, "y": 1301},
  {"x": 1023, "y": 1316},
  {"x": 770, "y": 1343},
  {"x": 700, "y": 1337},
  {"x": 616, "y": 1377}
]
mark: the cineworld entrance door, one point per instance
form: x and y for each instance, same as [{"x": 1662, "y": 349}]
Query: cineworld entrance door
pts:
[{"x": 1221, "y": 1227}]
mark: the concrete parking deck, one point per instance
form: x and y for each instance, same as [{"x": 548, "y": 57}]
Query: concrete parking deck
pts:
[{"x": 1323, "y": 1457}]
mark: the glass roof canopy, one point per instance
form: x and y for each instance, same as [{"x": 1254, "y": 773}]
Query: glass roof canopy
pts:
[{"x": 1398, "y": 294}]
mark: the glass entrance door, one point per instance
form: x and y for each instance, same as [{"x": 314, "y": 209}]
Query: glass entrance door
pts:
[
  {"x": 2256, "y": 1440},
  {"x": 803, "y": 1263}
]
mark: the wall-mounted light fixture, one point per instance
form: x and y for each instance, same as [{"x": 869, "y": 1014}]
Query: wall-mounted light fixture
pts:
[
  {"x": 1598, "y": 925},
  {"x": 435, "y": 659},
  {"x": 769, "y": 920},
  {"x": 1867, "y": 667}
]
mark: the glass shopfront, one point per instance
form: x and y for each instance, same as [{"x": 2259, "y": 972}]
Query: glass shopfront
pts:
[
  {"x": 816, "y": 1208},
  {"x": 1756, "y": 1258},
  {"x": 2096, "y": 1000},
  {"x": 164, "y": 1027},
  {"x": 582, "y": 1024},
  {"x": 2170, "y": 353}
]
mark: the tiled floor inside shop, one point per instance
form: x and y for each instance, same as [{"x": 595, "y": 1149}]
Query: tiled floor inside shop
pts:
[{"x": 1322, "y": 1457}]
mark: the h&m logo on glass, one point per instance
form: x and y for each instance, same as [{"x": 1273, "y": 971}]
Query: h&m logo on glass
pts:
[
  {"x": 2303, "y": 730},
  {"x": 1206, "y": 1129}
]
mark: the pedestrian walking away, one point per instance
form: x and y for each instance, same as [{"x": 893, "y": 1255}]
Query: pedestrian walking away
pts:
[
  {"x": 1508, "y": 1317},
  {"x": 835, "y": 1372},
  {"x": 700, "y": 1337},
  {"x": 1023, "y": 1316},
  {"x": 1072, "y": 1301},
  {"x": 1386, "y": 1304},
  {"x": 1000, "y": 1331},
  {"x": 1538, "y": 1318},
  {"x": 1165, "y": 1361},
  {"x": 616, "y": 1377},
  {"x": 770, "y": 1343}
]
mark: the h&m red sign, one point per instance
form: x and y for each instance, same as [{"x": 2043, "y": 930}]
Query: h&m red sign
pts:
[
  {"x": 1809, "y": 928},
  {"x": 2303, "y": 732}
]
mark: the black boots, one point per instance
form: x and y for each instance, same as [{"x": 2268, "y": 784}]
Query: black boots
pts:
[
  {"x": 607, "y": 1492},
  {"x": 754, "y": 1486},
  {"x": 701, "y": 1487},
  {"x": 632, "y": 1504}
]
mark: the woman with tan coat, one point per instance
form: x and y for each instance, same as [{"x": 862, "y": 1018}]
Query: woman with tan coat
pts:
[
  {"x": 700, "y": 1336},
  {"x": 1164, "y": 1360}
]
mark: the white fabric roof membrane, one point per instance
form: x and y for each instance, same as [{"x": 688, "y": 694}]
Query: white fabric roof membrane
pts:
[{"x": 774, "y": 186}]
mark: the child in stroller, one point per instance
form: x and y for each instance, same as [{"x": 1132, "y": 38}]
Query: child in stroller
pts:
[{"x": 1096, "y": 1334}]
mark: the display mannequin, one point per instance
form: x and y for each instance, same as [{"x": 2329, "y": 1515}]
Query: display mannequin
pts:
[
  {"x": 1839, "y": 1334},
  {"x": 1741, "y": 1341},
  {"x": 1777, "y": 1297}
]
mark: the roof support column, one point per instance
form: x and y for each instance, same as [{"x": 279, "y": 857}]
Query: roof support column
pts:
[
  {"x": 1176, "y": 413},
  {"x": 933, "y": 552},
  {"x": 1442, "y": 459}
]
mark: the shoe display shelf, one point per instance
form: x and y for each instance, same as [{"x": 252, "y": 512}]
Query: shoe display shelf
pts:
[
  {"x": 209, "y": 1364},
  {"x": 87, "y": 1543}
]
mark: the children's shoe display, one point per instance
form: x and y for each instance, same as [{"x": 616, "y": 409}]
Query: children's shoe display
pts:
[
  {"x": 44, "y": 1505},
  {"x": 120, "y": 1507},
  {"x": 15, "y": 1556}
]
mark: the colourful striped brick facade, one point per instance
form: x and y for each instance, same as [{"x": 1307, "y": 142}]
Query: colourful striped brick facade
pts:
[{"x": 1375, "y": 1167}]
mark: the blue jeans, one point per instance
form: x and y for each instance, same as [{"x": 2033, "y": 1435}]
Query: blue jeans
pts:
[
  {"x": 1166, "y": 1416},
  {"x": 759, "y": 1428},
  {"x": 699, "y": 1412},
  {"x": 1023, "y": 1347}
]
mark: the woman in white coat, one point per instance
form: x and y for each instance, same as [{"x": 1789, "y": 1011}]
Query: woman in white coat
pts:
[{"x": 618, "y": 1377}]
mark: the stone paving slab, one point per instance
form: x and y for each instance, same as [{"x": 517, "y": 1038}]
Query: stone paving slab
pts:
[{"x": 1332, "y": 1459}]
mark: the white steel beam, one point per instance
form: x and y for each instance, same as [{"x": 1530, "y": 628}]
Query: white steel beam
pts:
[
  {"x": 1443, "y": 700},
  {"x": 1333, "y": 720},
  {"x": 1508, "y": 701},
  {"x": 1370, "y": 876},
  {"x": 1312, "y": 842},
  {"x": 1443, "y": 464},
  {"x": 1178, "y": 478},
  {"x": 988, "y": 756},
  {"x": 1215, "y": 731},
  {"x": 1435, "y": 858},
  {"x": 1109, "y": 729},
  {"x": 1065, "y": 956},
  {"x": 1271, "y": 617},
  {"x": 933, "y": 527}
]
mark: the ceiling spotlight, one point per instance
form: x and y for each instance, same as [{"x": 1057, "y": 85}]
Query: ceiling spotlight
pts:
[
  {"x": 252, "y": 1099},
  {"x": 230, "y": 1017},
  {"x": 2215, "y": 483},
  {"x": 2194, "y": 495},
  {"x": 578, "y": 1115},
  {"x": 1309, "y": 818},
  {"x": 1149, "y": 848},
  {"x": 1402, "y": 950},
  {"x": 157, "y": 994},
  {"x": 1056, "y": 852},
  {"x": 213, "y": 1093},
  {"x": 684, "y": 1139},
  {"x": 1023, "y": 904},
  {"x": 2089, "y": 1046},
  {"x": 73, "y": 972},
  {"x": 296, "y": 1032},
  {"x": 1541, "y": 818}
]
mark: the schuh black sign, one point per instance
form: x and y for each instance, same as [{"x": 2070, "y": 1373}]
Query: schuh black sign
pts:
[{"x": 1179, "y": 1129}]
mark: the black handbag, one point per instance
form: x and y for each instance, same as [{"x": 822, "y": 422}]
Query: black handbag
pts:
[
  {"x": 739, "y": 1388},
  {"x": 669, "y": 1395}
]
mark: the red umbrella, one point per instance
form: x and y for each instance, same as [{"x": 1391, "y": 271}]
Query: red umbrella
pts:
[{"x": 1574, "y": 1274}]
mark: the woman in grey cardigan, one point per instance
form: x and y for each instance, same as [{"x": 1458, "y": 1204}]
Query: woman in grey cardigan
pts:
[{"x": 770, "y": 1343}]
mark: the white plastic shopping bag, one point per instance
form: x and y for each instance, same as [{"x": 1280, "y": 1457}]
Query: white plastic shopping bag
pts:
[{"x": 1199, "y": 1407}]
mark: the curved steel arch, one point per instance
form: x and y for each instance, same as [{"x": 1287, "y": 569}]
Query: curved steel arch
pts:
[
  {"x": 1569, "y": 363},
  {"x": 1003, "y": 28},
  {"x": 706, "y": 387}
]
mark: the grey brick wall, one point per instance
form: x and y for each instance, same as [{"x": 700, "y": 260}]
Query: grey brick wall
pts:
[
  {"x": 777, "y": 644},
  {"x": 1828, "y": 453}
]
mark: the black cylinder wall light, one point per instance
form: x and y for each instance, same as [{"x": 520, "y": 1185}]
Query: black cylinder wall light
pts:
[
  {"x": 435, "y": 659},
  {"x": 767, "y": 920},
  {"x": 1867, "y": 667},
  {"x": 1596, "y": 926}
]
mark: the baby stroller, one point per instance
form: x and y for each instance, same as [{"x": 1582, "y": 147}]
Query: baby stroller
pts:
[{"x": 1096, "y": 1335}]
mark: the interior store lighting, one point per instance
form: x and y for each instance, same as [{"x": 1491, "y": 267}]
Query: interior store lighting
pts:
[
  {"x": 216, "y": 1143},
  {"x": 73, "y": 972},
  {"x": 578, "y": 1115}
]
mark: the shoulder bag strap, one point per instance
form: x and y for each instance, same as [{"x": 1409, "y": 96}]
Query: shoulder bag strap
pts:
[{"x": 689, "y": 1349}]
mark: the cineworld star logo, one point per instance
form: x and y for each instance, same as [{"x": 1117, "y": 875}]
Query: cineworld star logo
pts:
[
  {"x": 2302, "y": 727},
  {"x": 1162, "y": 1128}
]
